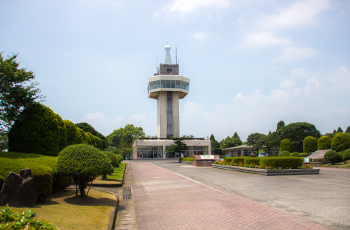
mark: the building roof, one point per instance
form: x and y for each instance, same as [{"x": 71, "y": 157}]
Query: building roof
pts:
[{"x": 244, "y": 147}]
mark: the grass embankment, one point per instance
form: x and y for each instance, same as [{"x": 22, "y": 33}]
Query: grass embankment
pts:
[
  {"x": 67, "y": 211},
  {"x": 115, "y": 178},
  {"x": 345, "y": 164}
]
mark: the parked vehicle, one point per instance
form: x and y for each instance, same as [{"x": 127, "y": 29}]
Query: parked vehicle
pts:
[{"x": 263, "y": 154}]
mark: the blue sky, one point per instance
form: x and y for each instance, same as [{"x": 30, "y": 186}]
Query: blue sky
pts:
[{"x": 251, "y": 63}]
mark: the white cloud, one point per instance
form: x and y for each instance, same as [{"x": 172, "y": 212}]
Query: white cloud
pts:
[
  {"x": 200, "y": 36},
  {"x": 298, "y": 14},
  {"x": 188, "y": 6},
  {"x": 239, "y": 95},
  {"x": 265, "y": 39},
  {"x": 295, "y": 53}
]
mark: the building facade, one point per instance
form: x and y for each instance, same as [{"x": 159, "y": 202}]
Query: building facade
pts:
[{"x": 168, "y": 87}]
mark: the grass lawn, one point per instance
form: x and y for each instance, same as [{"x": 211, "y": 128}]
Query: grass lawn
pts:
[
  {"x": 116, "y": 177},
  {"x": 66, "y": 211},
  {"x": 345, "y": 164}
]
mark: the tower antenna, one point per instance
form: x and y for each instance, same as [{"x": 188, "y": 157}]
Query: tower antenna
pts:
[{"x": 176, "y": 55}]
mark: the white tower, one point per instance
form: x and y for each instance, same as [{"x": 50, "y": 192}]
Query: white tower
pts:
[{"x": 167, "y": 86}]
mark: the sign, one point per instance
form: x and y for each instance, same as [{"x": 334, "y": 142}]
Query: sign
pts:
[{"x": 207, "y": 157}]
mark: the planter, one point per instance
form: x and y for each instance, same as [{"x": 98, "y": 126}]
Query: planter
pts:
[{"x": 268, "y": 172}]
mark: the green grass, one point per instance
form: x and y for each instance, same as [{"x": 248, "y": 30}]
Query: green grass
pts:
[
  {"x": 345, "y": 164},
  {"x": 67, "y": 211},
  {"x": 116, "y": 177}
]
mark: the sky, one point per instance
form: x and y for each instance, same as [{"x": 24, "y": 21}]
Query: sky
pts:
[{"x": 251, "y": 63}]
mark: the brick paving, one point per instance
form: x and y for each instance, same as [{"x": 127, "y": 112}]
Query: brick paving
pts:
[{"x": 166, "y": 200}]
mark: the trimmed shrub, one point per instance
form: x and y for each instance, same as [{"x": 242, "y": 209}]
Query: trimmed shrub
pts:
[
  {"x": 43, "y": 175},
  {"x": 284, "y": 154},
  {"x": 252, "y": 160},
  {"x": 340, "y": 142},
  {"x": 309, "y": 144},
  {"x": 35, "y": 131},
  {"x": 63, "y": 132},
  {"x": 286, "y": 145},
  {"x": 295, "y": 155},
  {"x": 332, "y": 156},
  {"x": 281, "y": 162},
  {"x": 187, "y": 159},
  {"x": 83, "y": 163},
  {"x": 113, "y": 158},
  {"x": 120, "y": 158},
  {"x": 98, "y": 142},
  {"x": 72, "y": 132},
  {"x": 346, "y": 155},
  {"x": 227, "y": 160},
  {"x": 325, "y": 142},
  {"x": 236, "y": 160}
]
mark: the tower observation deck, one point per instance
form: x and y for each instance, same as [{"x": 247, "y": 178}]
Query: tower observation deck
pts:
[{"x": 167, "y": 87}]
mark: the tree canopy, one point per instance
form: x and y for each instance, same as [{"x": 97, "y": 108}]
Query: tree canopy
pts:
[
  {"x": 17, "y": 90},
  {"x": 254, "y": 140},
  {"x": 229, "y": 142},
  {"x": 124, "y": 137},
  {"x": 214, "y": 143},
  {"x": 177, "y": 147}
]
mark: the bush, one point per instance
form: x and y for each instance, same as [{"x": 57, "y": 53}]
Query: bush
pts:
[
  {"x": 325, "y": 142},
  {"x": 83, "y": 163},
  {"x": 35, "y": 131},
  {"x": 71, "y": 132},
  {"x": 284, "y": 154},
  {"x": 295, "y": 155},
  {"x": 346, "y": 155},
  {"x": 236, "y": 160},
  {"x": 281, "y": 162},
  {"x": 63, "y": 132},
  {"x": 43, "y": 175},
  {"x": 80, "y": 138},
  {"x": 227, "y": 160},
  {"x": 252, "y": 160},
  {"x": 113, "y": 158},
  {"x": 340, "y": 142},
  {"x": 332, "y": 156},
  {"x": 187, "y": 159},
  {"x": 119, "y": 158},
  {"x": 286, "y": 145},
  {"x": 309, "y": 144},
  {"x": 10, "y": 219}
]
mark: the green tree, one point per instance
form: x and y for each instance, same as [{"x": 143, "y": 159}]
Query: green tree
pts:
[
  {"x": 297, "y": 132},
  {"x": 254, "y": 141},
  {"x": 88, "y": 128},
  {"x": 63, "y": 133},
  {"x": 214, "y": 143},
  {"x": 280, "y": 125},
  {"x": 3, "y": 142},
  {"x": 309, "y": 144},
  {"x": 177, "y": 147},
  {"x": 229, "y": 142},
  {"x": 347, "y": 130},
  {"x": 71, "y": 132},
  {"x": 17, "y": 92},
  {"x": 340, "y": 142},
  {"x": 286, "y": 145},
  {"x": 36, "y": 131},
  {"x": 324, "y": 142},
  {"x": 187, "y": 136},
  {"x": 83, "y": 163},
  {"x": 80, "y": 138},
  {"x": 124, "y": 137},
  {"x": 339, "y": 130}
]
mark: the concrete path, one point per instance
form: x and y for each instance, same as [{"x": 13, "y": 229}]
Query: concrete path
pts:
[{"x": 165, "y": 199}]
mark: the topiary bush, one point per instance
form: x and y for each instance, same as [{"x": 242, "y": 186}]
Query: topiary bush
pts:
[
  {"x": 236, "y": 160},
  {"x": 281, "y": 162},
  {"x": 284, "y": 153},
  {"x": 325, "y": 142},
  {"x": 346, "y": 155},
  {"x": 252, "y": 160},
  {"x": 332, "y": 156},
  {"x": 80, "y": 138},
  {"x": 295, "y": 155},
  {"x": 286, "y": 145},
  {"x": 71, "y": 132},
  {"x": 35, "y": 131},
  {"x": 83, "y": 163},
  {"x": 120, "y": 158},
  {"x": 63, "y": 133},
  {"x": 340, "y": 142},
  {"x": 309, "y": 144},
  {"x": 113, "y": 158}
]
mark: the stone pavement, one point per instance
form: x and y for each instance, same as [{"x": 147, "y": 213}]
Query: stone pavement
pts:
[{"x": 167, "y": 200}]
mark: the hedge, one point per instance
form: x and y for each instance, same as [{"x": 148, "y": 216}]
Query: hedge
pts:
[
  {"x": 252, "y": 160},
  {"x": 236, "y": 160},
  {"x": 281, "y": 162},
  {"x": 35, "y": 131},
  {"x": 187, "y": 159},
  {"x": 71, "y": 132},
  {"x": 63, "y": 133},
  {"x": 43, "y": 175},
  {"x": 346, "y": 155},
  {"x": 284, "y": 153},
  {"x": 332, "y": 156},
  {"x": 296, "y": 154},
  {"x": 340, "y": 142}
]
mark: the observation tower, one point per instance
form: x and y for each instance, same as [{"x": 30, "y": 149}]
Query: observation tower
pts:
[{"x": 168, "y": 87}]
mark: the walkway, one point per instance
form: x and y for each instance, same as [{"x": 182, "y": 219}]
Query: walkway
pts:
[{"x": 166, "y": 200}]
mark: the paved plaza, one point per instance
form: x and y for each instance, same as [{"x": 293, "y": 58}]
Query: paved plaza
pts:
[{"x": 170, "y": 195}]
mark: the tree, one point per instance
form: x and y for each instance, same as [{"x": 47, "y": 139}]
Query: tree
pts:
[
  {"x": 280, "y": 125},
  {"x": 71, "y": 132},
  {"x": 214, "y": 143},
  {"x": 17, "y": 91},
  {"x": 286, "y": 145},
  {"x": 63, "y": 133},
  {"x": 268, "y": 141},
  {"x": 83, "y": 163},
  {"x": 340, "y": 142},
  {"x": 36, "y": 131},
  {"x": 309, "y": 144},
  {"x": 324, "y": 142},
  {"x": 88, "y": 128},
  {"x": 177, "y": 147},
  {"x": 347, "y": 129},
  {"x": 229, "y": 142},
  {"x": 339, "y": 130},
  {"x": 3, "y": 142},
  {"x": 253, "y": 140},
  {"x": 124, "y": 137},
  {"x": 297, "y": 132},
  {"x": 187, "y": 136}
]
